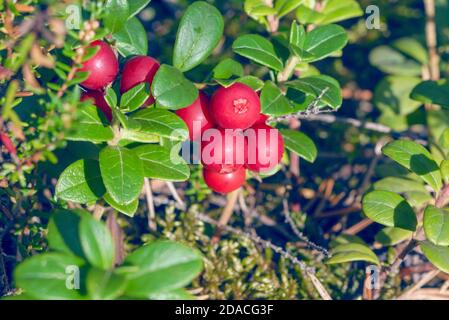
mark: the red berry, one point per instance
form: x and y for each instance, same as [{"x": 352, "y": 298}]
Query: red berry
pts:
[
  {"x": 98, "y": 100},
  {"x": 103, "y": 67},
  {"x": 196, "y": 117},
  {"x": 9, "y": 145},
  {"x": 223, "y": 150},
  {"x": 137, "y": 70},
  {"x": 235, "y": 107},
  {"x": 224, "y": 182},
  {"x": 262, "y": 119},
  {"x": 264, "y": 152}
]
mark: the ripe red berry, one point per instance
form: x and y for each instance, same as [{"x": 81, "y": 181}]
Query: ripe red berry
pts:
[
  {"x": 224, "y": 182},
  {"x": 262, "y": 119},
  {"x": 137, "y": 70},
  {"x": 196, "y": 117},
  {"x": 235, "y": 107},
  {"x": 98, "y": 100},
  {"x": 103, "y": 67},
  {"x": 223, "y": 150},
  {"x": 265, "y": 148}
]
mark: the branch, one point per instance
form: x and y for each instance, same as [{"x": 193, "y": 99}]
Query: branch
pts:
[
  {"x": 226, "y": 214},
  {"x": 150, "y": 204},
  {"x": 431, "y": 39}
]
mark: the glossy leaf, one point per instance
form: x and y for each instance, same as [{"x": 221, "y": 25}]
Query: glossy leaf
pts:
[
  {"x": 323, "y": 41},
  {"x": 45, "y": 276},
  {"x": 132, "y": 39},
  {"x": 81, "y": 182},
  {"x": 393, "y": 62},
  {"x": 390, "y": 236},
  {"x": 339, "y": 10},
  {"x": 159, "y": 122},
  {"x": 135, "y": 6},
  {"x": 389, "y": 209},
  {"x": 122, "y": 173},
  {"x": 172, "y": 90},
  {"x": 160, "y": 163},
  {"x": 316, "y": 85},
  {"x": 435, "y": 92},
  {"x": 117, "y": 13},
  {"x": 158, "y": 260},
  {"x": 97, "y": 244},
  {"x": 300, "y": 144},
  {"x": 91, "y": 125},
  {"x": 104, "y": 285},
  {"x": 416, "y": 158},
  {"x": 258, "y": 49},
  {"x": 135, "y": 97},
  {"x": 199, "y": 32},
  {"x": 227, "y": 68},
  {"x": 436, "y": 225},
  {"x": 352, "y": 252},
  {"x": 128, "y": 209},
  {"x": 438, "y": 255},
  {"x": 273, "y": 102}
]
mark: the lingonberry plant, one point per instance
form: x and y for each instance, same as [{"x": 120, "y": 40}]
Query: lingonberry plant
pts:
[{"x": 127, "y": 125}]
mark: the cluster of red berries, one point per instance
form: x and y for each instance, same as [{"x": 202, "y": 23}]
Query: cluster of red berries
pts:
[
  {"x": 103, "y": 69},
  {"x": 233, "y": 113},
  {"x": 244, "y": 138}
]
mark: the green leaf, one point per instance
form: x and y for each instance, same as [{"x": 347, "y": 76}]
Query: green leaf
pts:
[
  {"x": 316, "y": 85},
  {"x": 390, "y": 236},
  {"x": 155, "y": 262},
  {"x": 284, "y": 7},
  {"x": 63, "y": 231},
  {"x": 128, "y": 209},
  {"x": 389, "y": 209},
  {"x": 160, "y": 163},
  {"x": 111, "y": 98},
  {"x": 444, "y": 168},
  {"x": 104, "y": 285},
  {"x": 297, "y": 35},
  {"x": 132, "y": 39},
  {"x": 416, "y": 158},
  {"x": 393, "y": 93},
  {"x": 300, "y": 144},
  {"x": 117, "y": 13},
  {"x": 273, "y": 102},
  {"x": 122, "y": 173},
  {"x": 172, "y": 90},
  {"x": 45, "y": 276},
  {"x": 258, "y": 49},
  {"x": 81, "y": 182},
  {"x": 437, "y": 255},
  {"x": 97, "y": 244},
  {"x": 434, "y": 92},
  {"x": 135, "y": 97},
  {"x": 391, "y": 61},
  {"x": 413, "y": 48},
  {"x": 339, "y": 10},
  {"x": 399, "y": 185},
  {"x": 436, "y": 225},
  {"x": 91, "y": 125},
  {"x": 323, "y": 41},
  {"x": 306, "y": 15},
  {"x": 199, "y": 32},
  {"x": 227, "y": 69},
  {"x": 352, "y": 252},
  {"x": 159, "y": 122},
  {"x": 135, "y": 6}
]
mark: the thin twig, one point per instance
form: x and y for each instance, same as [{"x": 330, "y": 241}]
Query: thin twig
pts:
[
  {"x": 227, "y": 213},
  {"x": 175, "y": 194},
  {"x": 431, "y": 39},
  {"x": 150, "y": 204},
  {"x": 298, "y": 233}
]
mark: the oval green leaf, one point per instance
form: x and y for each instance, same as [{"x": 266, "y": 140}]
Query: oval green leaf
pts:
[
  {"x": 122, "y": 173},
  {"x": 199, "y": 32},
  {"x": 132, "y": 39},
  {"x": 352, "y": 252},
  {"x": 436, "y": 225},
  {"x": 300, "y": 144},
  {"x": 389, "y": 209}
]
